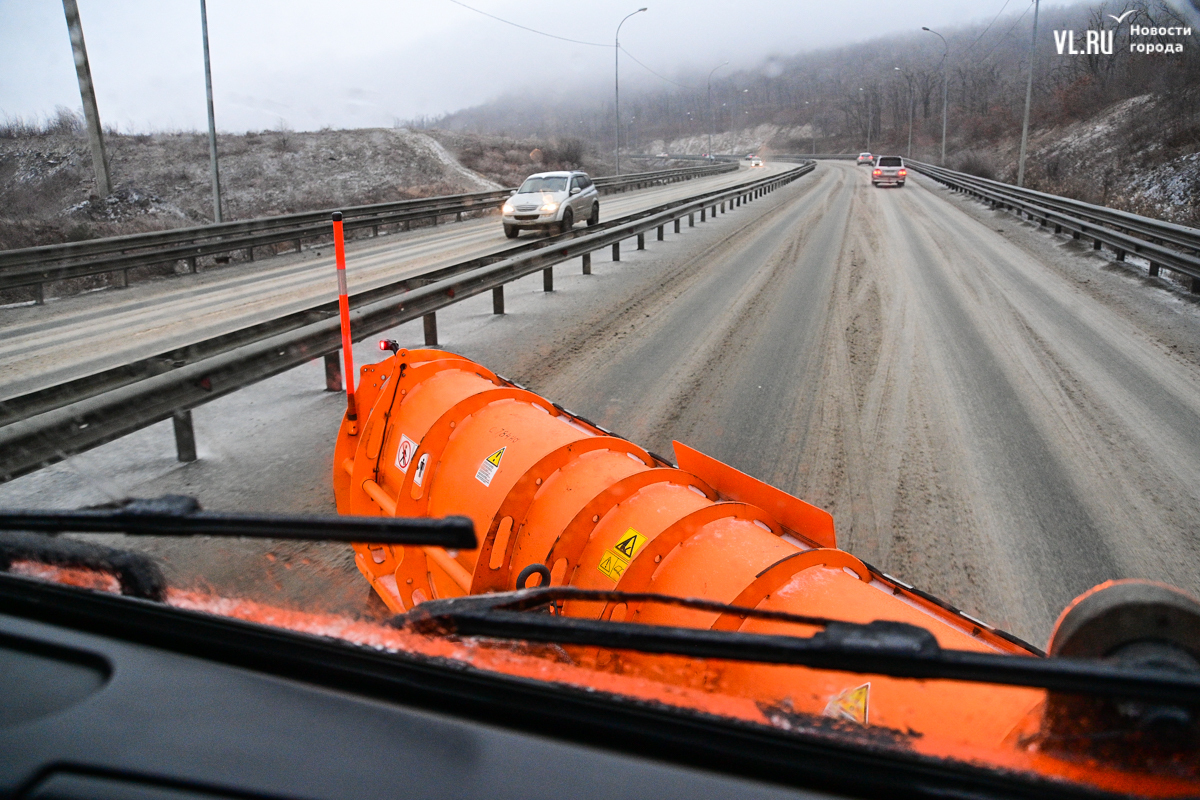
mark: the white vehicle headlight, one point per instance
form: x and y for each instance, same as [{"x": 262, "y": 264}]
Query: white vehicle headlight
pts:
[
  {"x": 507, "y": 209},
  {"x": 549, "y": 208}
]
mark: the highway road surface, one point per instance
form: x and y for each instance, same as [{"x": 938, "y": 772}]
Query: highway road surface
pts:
[{"x": 994, "y": 414}]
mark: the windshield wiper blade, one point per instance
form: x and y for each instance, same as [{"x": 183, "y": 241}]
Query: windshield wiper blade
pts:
[
  {"x": 895, "y": 649},
  {"x": 179, "y": 515}
]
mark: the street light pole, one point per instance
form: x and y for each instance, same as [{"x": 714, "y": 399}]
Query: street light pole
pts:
[
  {"x": 1028, "y": 98},
  {"x": 908, "y": 78},
  {"x": 617, "y": 84},
  {"x": 712, "y": 122},
  {"x": 212, "y": 123},
  {"x": 945, "y": 89},
  {"x": 812, "y": 127},
  {"x": 868, "y": 96}
]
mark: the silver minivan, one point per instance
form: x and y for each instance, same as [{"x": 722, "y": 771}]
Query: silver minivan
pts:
[{"x": 552, "y": 201}]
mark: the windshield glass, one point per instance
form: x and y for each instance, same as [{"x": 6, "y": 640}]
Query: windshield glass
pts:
[
  {"x": 545, "y": 184},
  {"x": 958, "y": 398}
]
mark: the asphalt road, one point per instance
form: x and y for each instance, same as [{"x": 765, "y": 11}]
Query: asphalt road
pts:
[{"x": 991, "y": 413}]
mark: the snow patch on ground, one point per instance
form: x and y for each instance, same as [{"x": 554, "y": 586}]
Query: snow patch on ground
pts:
[{"x": 449, "y": 163}]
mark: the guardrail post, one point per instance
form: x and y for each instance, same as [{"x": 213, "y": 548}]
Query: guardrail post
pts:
[
  {"x": 458, "y": 217},
  {"x": 430, "y": 320},
  {"x": 1153, "y": 269},
  {"x": 661, "y": 232},
  {"x": 185, "y": 436},
  {"x": 1120, "y": 255},
  {"x": 1057, "y": 228},
  {"x": 616, "y": 251},
  {"x": 702, "y": 213},
  {"x": 1195, "y": 285},
  {"x": 191, "y": 262},
  {"x": 691, "y": 220},
  {"x": 374, "y": 231},
  {"x": 249, "y": 253},
  {"x": 333, "y": 372},
  {"x": 548, "y": 279},
  {"x": 587, "y": 263},
  {"x": 677, "y": 221},
  {"x": 1095, "y": 244},
  {"x": 641, "y": 241},
  {"x": 498, "y": 300},
  {"x": 722, "y": 208}
]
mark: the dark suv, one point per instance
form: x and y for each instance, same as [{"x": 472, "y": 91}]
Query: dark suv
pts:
[{"x": 889, "y": 169}]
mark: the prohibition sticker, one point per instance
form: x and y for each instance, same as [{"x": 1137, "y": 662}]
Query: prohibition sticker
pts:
[
  {"x": 618, "y": 557},
  {"x": 850, "y": 704},
  {"x": 405, "y": 453},
  {"x": 487, "y": 470},
  {"x": 420, "y": 473}
]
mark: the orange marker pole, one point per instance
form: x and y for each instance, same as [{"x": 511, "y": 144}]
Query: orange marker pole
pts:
[{"x": 339, "y": 250}]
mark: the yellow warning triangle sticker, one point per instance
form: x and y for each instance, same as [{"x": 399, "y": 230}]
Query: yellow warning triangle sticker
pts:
[
  {"x": 494, "y": 458},
  {"x": 626, "y": 546},
  {"x": 850, "y": 704}
]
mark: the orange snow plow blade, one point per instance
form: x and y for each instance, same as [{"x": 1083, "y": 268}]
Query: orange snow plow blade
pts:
[{"x": 550, "y": 492}]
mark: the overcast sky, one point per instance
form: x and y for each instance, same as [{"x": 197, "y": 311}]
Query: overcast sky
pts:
[{"x": 361, "y": 63}]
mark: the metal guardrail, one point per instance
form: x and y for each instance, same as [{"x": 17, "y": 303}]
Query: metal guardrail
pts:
[
  {"x": 1163, "y": 244},
  {"x": 169, "y": 387},
  {"x": 38, "y": 266},
  {"x": 814, "y": 157}
]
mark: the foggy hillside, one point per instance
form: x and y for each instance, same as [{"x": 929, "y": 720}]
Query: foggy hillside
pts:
[{"x": 1121, "y": 129}]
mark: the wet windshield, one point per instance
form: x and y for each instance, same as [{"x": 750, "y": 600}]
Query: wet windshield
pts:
[
  {"x": 962, "y": 401},
  {"x": 545, "y": 184}
]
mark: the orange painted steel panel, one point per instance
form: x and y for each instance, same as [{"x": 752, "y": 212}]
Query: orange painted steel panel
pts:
[{"x": 442, "y": 435}]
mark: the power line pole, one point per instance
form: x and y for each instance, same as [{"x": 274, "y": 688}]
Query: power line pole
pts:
[
  {"x": 1028, "y": 98},
  {"x": 212, "y": 122},
  {"x": 91, "y": 113}
]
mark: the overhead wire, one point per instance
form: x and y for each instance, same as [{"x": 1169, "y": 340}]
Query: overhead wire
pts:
[
  {"x": 988, "y": 28},
  {"x": 525, "y": 28},
  {"x": 573, "y": 41},
  {"x": 1007, "y": 32},
  {"x": 655, "y": 74}
]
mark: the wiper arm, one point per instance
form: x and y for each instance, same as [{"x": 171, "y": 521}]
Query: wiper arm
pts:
[
  {"x": 179, "y": 515},
  {"x": 895, "y": 649}
]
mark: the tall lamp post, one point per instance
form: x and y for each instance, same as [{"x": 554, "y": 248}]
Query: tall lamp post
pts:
[
  {"x": 812, "y": 127},
  {"x": 868, "y": 96},
  {"x": 712, "y": 122},
  {"x": 617, "y": 83},
  {"x": 1028, "y": 98},
  {"x": 945, "y": 88},
  {"x": 908, "y": 78}
]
